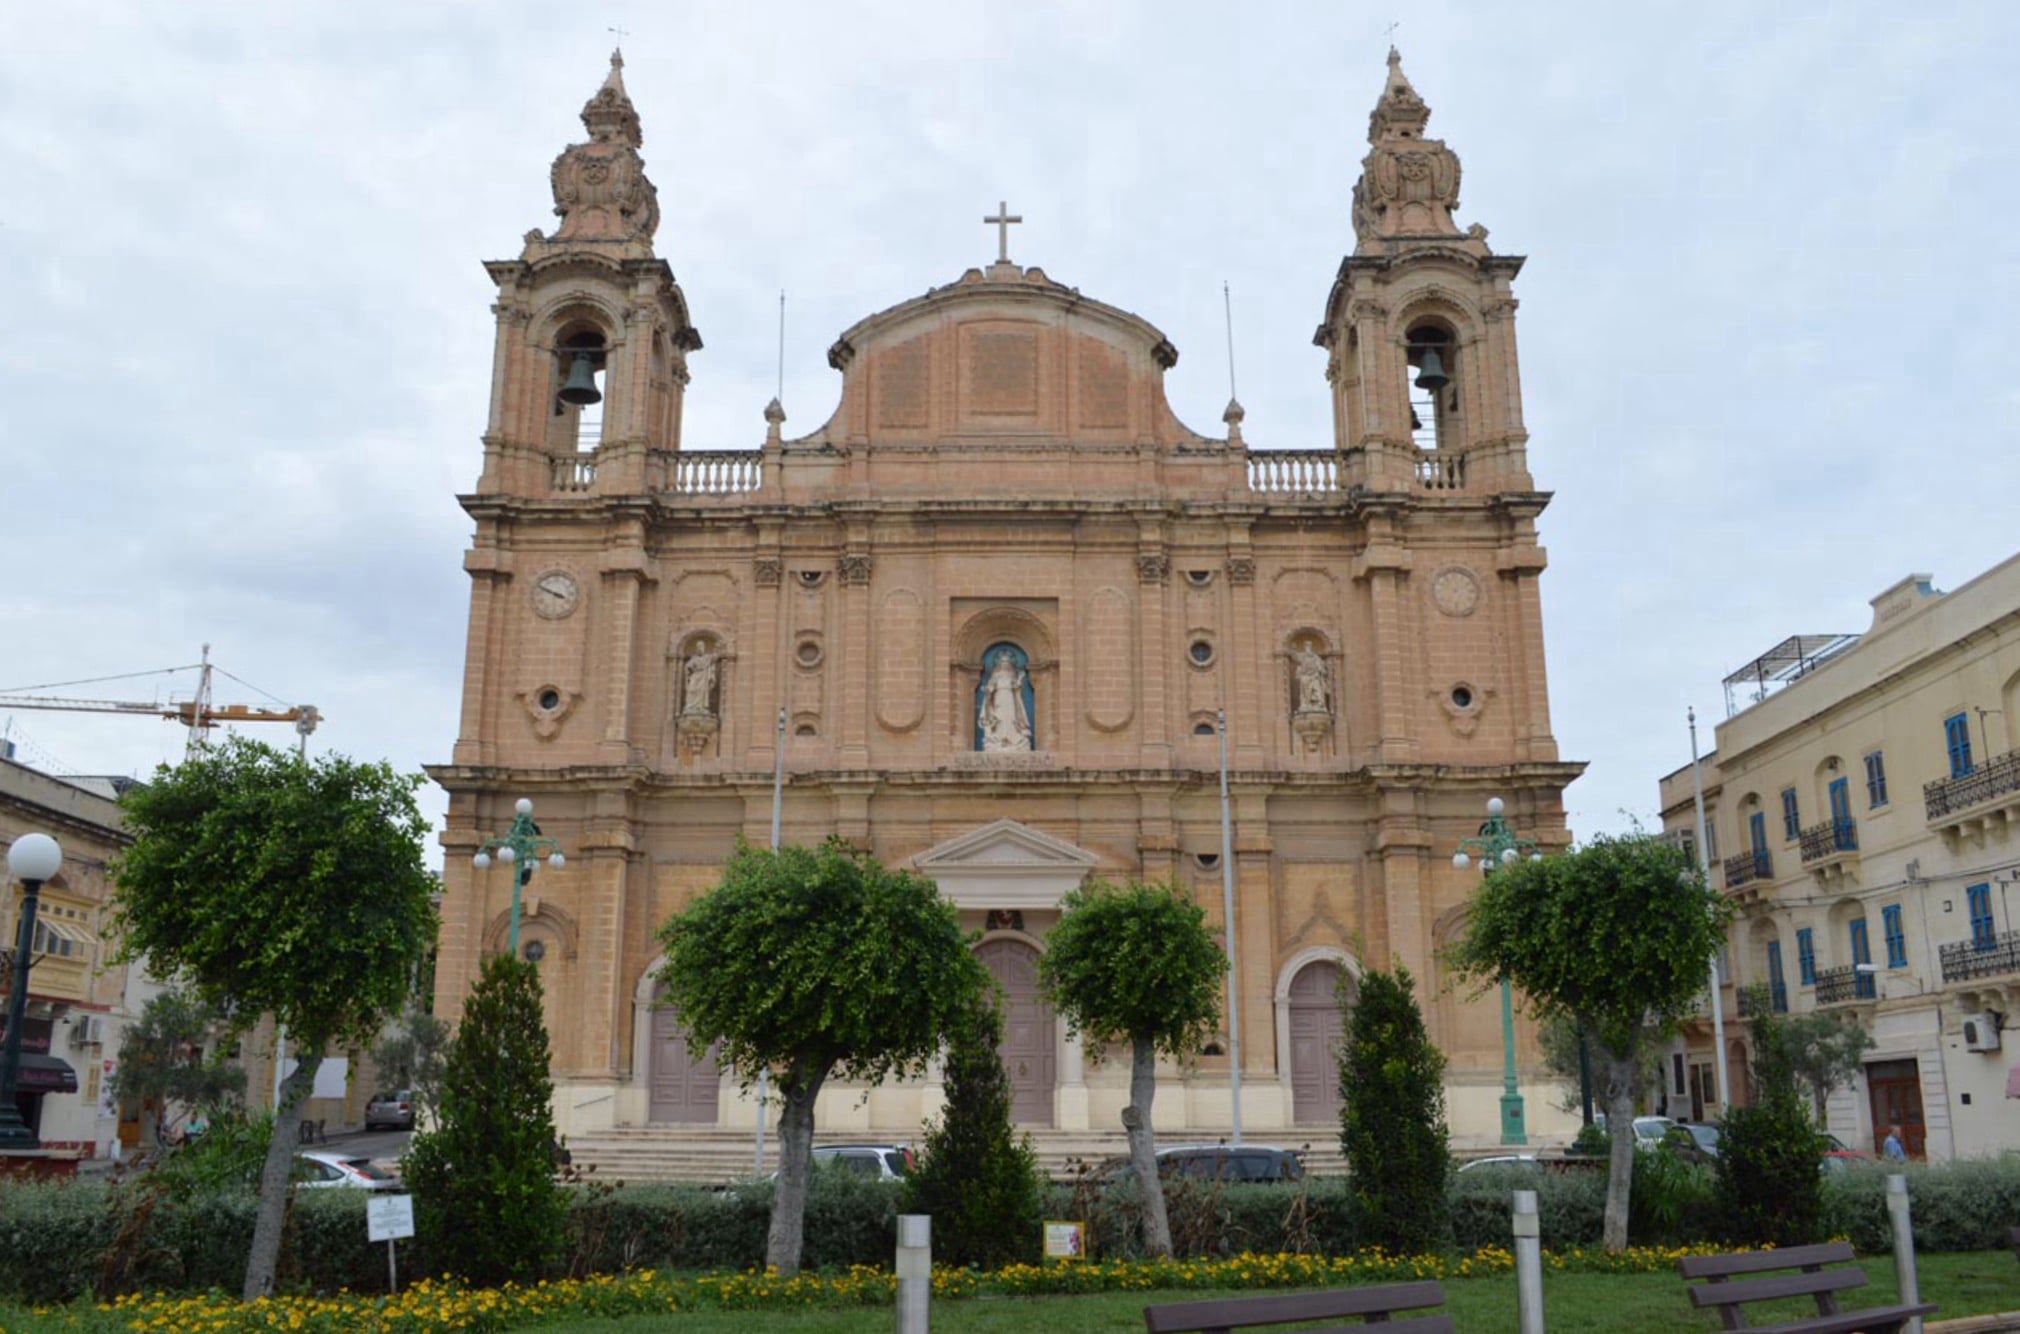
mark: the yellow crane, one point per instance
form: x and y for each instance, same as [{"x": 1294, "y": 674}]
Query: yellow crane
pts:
[{"x": 198, "y": 714}]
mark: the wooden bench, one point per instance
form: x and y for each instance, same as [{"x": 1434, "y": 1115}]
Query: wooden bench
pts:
[
  {"x": 1377, "y": 1304},
  {"x": 1730, "y": 1286}
]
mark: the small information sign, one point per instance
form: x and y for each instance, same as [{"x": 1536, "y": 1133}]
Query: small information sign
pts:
[
  {"x": 1063, "y": 1241},
  {"x": 389, "y": 1217}
]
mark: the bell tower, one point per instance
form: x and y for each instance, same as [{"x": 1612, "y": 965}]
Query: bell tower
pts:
[
  {"x": 1420, "y": 325},
  {"x": 593, "y": 334}
]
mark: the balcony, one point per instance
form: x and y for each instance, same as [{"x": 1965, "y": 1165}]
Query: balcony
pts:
[
  {"x": 1831, "y": 851},
  {"x": 1840, "y": 986},
  {"x": 1748, "y": 867},
  {"x": 1968, "y": 959},
  {"x": 1967, "y": 805},
  {"x": 1750, "y": 998}
]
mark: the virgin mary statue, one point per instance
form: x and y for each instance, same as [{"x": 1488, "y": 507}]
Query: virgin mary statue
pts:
[{"x": 1002, "y": 720}]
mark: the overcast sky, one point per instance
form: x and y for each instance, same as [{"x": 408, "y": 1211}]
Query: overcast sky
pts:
[{"x": 1767, "y": 322}]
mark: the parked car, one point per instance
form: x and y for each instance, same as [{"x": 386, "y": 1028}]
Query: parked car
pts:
[
  {"x": 1647, "y": 1129},
  {"x": 318, "y": 1168},
  {"x": 390, "y": 1111},
  {"x": 1692, "y": 1141},
  {"x": 1215, "y": 1162},
  {"x": 884, "y": 1162},
  {"x": 1834, "y": 1155},
  {"x": 1510, "y": 1162}
]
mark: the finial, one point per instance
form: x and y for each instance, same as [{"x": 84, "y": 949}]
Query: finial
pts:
[
  {"x": 775, "y": 415},
  {"x": 1233, "y": 417}
]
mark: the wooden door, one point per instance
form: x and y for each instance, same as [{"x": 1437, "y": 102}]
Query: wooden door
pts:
[
  {"x": 1316, "y": 1029},
  {"x": 1030, "y": 1030},
  {"x": 1895, "y": 1091},
  {"x": 684, "y": 1090}
]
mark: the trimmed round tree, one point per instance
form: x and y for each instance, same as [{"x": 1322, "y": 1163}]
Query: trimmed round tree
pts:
[
  {"x": 809, "y": 962},
  {"x": 271, "y": 884},
  {"x": 484, "y": 1178},
  {"x": 1392, "y": 1118},
  {"x": 1135, "y": 964},
  {"x": 1617, "y": 936},
  {"x": 977, "y": 1176}
]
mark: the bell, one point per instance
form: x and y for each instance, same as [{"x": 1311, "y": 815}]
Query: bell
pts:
[
  {"x": 1416, "y": 422},
  {"x": 1431, "y": 375},
  {"x": 581, "y": 388}
]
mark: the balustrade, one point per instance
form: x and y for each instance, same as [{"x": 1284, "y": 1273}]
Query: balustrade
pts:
[
  {"x": 718, "y": 472},
  {"x": 576, "y": 472},
  {"x": 1994, "y": 778},
  {"x": 1829, "y": 839},
  {"x": 1441, "y": 472},
  {"x": 1835, "y": 986},
  {"x": 1747, "y": 867},
  {"x": 1967, "y": 959},
  {"x": 1294, "y": 472}
]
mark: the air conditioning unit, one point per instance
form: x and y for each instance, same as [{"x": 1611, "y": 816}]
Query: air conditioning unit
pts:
[
  {"x": 1981, "y": 1031},
  {"x": 88, "y": 1030}
]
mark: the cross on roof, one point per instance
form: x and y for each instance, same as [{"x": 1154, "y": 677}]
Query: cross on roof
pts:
[{"x": 1004, "y": 217}]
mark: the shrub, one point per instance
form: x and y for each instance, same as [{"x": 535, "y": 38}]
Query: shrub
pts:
[
  {"x": 483, "y": 1182},
  {"x": 977, "y": 1177},
  {"x": 1392, "y": 1127},
  {"x": 1770, "y": 1191},
  {"x": 1674, "y": 1200},
  {"x": 1966, "y": 1205}
]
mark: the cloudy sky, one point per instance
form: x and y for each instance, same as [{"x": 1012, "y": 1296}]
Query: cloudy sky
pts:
[{"x": 1767, "y": 322}]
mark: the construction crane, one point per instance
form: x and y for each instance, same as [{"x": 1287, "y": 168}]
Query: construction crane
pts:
[{"x": 198, "y": 714}]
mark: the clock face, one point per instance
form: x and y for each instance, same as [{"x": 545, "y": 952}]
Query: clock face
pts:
[
  {"x": 1456, "y": 592},
  {"x": 555, "y": 594}
]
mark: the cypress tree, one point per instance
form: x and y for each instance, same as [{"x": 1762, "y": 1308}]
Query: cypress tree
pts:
[
  {"x": 978, "y": 1177},
  {"x": 1392, "y": 1127},
  {"x": 487, "y": 1205}
]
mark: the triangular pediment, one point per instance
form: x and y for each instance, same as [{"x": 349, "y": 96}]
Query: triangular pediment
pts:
[{"x": 1006, "y": 845}]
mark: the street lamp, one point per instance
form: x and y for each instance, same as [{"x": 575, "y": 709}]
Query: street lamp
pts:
[
  {"x": 522, "y": 846},
  {"x": 32, "y": 859},
  {"x": 1497, "y": 846}
]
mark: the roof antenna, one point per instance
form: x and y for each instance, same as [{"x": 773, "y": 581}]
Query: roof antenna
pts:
[
  {"x": 1234, "y": 414},
  {"x": 775, "y": 411}
]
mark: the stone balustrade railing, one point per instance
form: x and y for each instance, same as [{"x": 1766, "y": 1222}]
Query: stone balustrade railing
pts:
[
  {"x": 1307, "y": 472},
  {"x": 718, "y": 472},
  {"x": 572, "y": 474}
]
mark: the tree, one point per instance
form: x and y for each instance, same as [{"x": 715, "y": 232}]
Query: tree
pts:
[
  {"x": 1770, "y": 1192},
  {"x": 266, "y": 883},
  {"x": 1618, "y": 936},
  {"x": 1823, "y": 1050},
  {"x": 1135, "y": 963},
  {"x": 978, "y": 1177},
  {"x": 413, "y": 1057},
  {"x": 808, "y": 962},
  {"x": 483, "y": 1179},
  {"x": 1392, "y": 1122},
  {"x": 165, "y": 1059}
]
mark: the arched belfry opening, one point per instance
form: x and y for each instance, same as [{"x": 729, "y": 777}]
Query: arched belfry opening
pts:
[
  {"x": 581, "y": 359},
  {"x": 1433, "y": 388}
]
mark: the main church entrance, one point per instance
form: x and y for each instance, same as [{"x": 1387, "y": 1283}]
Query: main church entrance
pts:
[
  {"x": 1316, "y": 1030},
  {"x": 684, "y": 1090},
  {"x": 1030, "y": 1030}
]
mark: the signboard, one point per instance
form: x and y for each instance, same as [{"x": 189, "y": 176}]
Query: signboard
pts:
[
  {"x": 1063, "y": 1241},
  {"x": 389, "y": 1217}
]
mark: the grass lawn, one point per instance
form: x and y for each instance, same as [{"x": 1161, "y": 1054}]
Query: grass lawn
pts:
[{"x": 1962, "y": 1284}]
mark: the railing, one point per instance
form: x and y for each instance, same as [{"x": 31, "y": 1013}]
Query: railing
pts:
[
  {"x": 1968, "y": 958},
  {"x": 1441, "y": 472},
  {"x": 576, "y": 473},
  {"x": 1947, "y": 796},
  {"x": 1748, "y": 867},
  {"x": 718, "y": 472},
  {"x": 1750, "y": 998},
  {"x": 1305, "y": 472},
  {"x": 1830, "y": 838},
  {"x": 1835, "y": 986}
]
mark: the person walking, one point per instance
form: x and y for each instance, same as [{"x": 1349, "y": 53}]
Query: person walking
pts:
[{"x": 1892, "y": 1149}]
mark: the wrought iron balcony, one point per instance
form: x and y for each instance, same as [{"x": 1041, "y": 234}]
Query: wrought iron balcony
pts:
[
  {"x": 1994, "y": 778},
  {"x": 1747, "y": 867},
  {"x": 1750, "y": 998},
  {"x": 1836, "y": 986},
  {"x": 1968, "y": 958},
  {"x": 1829, "y": 839}
]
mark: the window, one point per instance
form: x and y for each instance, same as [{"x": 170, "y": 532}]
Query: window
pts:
[
  {"x": 1710, "y": 839},
  {"x": 1806, "y": 956},
  {"x": 1433, "y": 395},
  {"x": 1957, "y": 738},
  {"x": 1863, "y": 985},
  {"x": 1778, "y": 989},
  {"x": 1844, "y": 834},
  {"x": 1876, "y": 780},
  {"x": 1980, "y": 899},
  {"x": 1897, "y": 938},
  {"x": 1792, "y": 820}
]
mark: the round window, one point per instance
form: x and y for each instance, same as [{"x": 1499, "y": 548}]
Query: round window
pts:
[
  {"x": 1462, "y": 698},
  {"x": 808, "y": 653},
  {"x": 549, "y": 700},
  {"x": 535, "y": 951},
  {"x": 1201, "y": 652}
]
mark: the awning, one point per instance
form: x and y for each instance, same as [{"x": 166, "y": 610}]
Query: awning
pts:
[{"x": 45, "y": 1074}]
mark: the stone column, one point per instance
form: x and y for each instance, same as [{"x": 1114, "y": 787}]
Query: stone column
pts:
[
  {"x": 1385, "y": 568},
  {"x": 766, "y": 640},
  {"x": 490, "y": 576},
  {"x": 624, "y": 571},
  {"x": 1153, "y": 570},
  {"x": 851, "y": 673},
  {"x": 1251, "y": 696}
]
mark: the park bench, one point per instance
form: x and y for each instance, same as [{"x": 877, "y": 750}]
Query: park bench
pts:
[
  {"x": 1732, "y": 1283},
  {"x": 1376, "y": 1304}
]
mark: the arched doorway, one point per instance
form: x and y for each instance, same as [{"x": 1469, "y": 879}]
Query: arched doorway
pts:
[
  {"x": 1315, "y": 1032},
  {"x": 1030, "y": 1030},
  {"x": 683, "y": 1090}
]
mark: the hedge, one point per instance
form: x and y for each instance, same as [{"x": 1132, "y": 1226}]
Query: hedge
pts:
[{"x": 55, "y": 1236}]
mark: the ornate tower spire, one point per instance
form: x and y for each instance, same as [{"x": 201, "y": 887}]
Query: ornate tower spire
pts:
[
  {"x": 1409, "y": 184},
  {"x": 601, "y": 193}
]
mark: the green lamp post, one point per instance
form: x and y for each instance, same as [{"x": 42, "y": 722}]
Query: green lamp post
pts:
[
  {"x": 31, "y": 859},
  {"x": 522, "y": 846},
  {"x": 1497, "y": 845}
]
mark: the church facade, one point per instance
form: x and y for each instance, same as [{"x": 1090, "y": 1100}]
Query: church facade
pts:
[{"x": 991, "y": 614}]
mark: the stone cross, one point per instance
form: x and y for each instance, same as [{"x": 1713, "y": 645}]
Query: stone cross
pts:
[{"x": 1004, "y": 217}]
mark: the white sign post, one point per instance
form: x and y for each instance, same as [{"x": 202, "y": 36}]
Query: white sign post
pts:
[{"x": 389, "y": 1218}]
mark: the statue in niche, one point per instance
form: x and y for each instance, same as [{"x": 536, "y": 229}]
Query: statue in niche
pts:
[
  {"x": 698, "y": 679},
  {"x": 1003, "y": 703},
  {"x": 1313, "y": 681}
]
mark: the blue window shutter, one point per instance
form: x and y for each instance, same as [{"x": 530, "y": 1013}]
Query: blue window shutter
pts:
[
  {"x": 1980, "y": 899},
  {"x": 1792, "y": 822},
  {"x": 1897, "y": 939},
  {"x": 1957, "y": 739},
  {"x": 1778, "y": 991},
  {"x": 1806, "y": 956},
  {"x": 1876, "y": 779}
]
